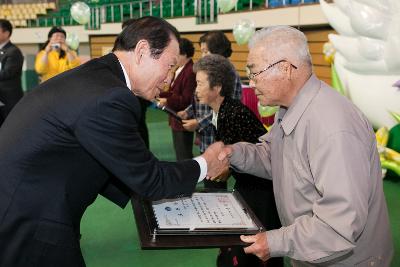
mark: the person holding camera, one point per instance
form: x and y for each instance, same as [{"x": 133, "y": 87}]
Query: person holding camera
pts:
[{"x": 55, "y": 56}]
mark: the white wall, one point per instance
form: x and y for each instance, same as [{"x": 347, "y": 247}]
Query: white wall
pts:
[{"x": 306, "y": 15}]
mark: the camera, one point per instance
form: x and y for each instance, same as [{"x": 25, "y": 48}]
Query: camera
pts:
[{"x": 55, "y": 46}]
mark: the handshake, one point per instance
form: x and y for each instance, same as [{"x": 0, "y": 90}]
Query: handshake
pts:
[{"x": 217, "y": 157}]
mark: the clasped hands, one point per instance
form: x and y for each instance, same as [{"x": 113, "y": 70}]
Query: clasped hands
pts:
[{"x": 217, "y": 157}]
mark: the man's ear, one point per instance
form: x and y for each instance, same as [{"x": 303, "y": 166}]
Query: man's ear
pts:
[
  {"x": 217, "y": 88},
  {"x": 142, "y": 49}
]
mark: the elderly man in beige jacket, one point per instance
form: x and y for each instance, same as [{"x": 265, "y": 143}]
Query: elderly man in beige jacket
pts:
[{"x": 322, "y": 157}]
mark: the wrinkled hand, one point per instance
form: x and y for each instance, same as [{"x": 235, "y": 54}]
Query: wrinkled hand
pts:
[
  {"x": 183, "y": 114},
  {"x": 223, "y": 176},
  {"x": 214, "y": 165},
  {"x": 225, "y": 153},
  {"x": 259, "y": 247},
  {"x": 190, "y": 125}
]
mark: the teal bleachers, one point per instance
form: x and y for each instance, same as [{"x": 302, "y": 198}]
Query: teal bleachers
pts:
[{"x": 120, "y": 10}]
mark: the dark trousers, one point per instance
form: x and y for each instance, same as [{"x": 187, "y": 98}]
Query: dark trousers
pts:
[
  {"x": 259, "y": 195},
  {"x": 183, "y": 144}
]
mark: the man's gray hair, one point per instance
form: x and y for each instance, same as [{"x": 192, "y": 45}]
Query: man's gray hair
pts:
[{"x": 286, "y": 41}]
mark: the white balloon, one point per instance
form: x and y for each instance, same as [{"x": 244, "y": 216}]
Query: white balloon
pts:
[
  {"x": 343, "y": 5},
  {"x": 80, "y": 12},
  {"x": 341, "y": 71},
  {"x": 374, "y": 95},
  {"x": 376, "y": 67},
  {"x": 226, "y": 5},
  {"x": 368, "y": 21},
  {"x": 392, "y": 47},
  {"x": 381, "y": 5},
  {"x": 347, "y": 46},
  {"x": 243, "y": 30},
  {"x": 337, "y": 19},
  {"x": 369, "y": 63},
  {"x": 72, "y": 40},
  {"x": 371, "y": 49},
  {"x": 394, "y": 7}
]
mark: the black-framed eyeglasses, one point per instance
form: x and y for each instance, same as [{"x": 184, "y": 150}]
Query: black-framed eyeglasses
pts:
[{"x": 251, "y": 75}]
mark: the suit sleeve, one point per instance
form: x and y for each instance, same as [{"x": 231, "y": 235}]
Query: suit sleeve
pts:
[
  {"x": 108, "y": 130},
  {"x": 12, "y": 65}
]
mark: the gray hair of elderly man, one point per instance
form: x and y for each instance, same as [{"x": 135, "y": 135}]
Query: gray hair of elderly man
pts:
[{"x": 285, "y": 42}]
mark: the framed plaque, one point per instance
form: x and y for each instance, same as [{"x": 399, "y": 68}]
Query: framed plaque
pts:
[{"x": 205, "y": 219}]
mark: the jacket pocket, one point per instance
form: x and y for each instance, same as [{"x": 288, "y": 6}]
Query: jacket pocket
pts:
[{"x": 54, "y": 244}]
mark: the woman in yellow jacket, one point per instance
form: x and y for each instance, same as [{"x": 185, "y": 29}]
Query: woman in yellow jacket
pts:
[{"x": 55, "y": 57}]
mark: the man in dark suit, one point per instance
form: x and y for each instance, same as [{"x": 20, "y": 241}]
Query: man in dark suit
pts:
[
  {"x": 11, "y": 60},
  {"x": 144, "y": 104},
  {"x": 76, "y": 136}
]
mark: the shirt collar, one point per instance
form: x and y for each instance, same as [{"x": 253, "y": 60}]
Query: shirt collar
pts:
[
  {"x": 127, "y": 81},
  {"x": 4, "y": 44},
  {"x": 214, "y": 119},
  {"x": 292, "y": 115}
]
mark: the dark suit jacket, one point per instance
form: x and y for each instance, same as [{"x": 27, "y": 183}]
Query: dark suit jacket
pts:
[
  {"x": 69, "y": 139},
  {"x": 180, "y": 95},
  {"x": 11, "y": 60}
]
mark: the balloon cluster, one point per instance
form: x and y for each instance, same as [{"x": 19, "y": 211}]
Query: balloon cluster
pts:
[
  {"x": 366, "y": 60},
  {"x": 369, "y": 34},
  {"x": 243, "y": 30},
  {"x": 80, "y": 12},
  {"x": 226, "y": 5},
  {"x": 72, "y": 40}
]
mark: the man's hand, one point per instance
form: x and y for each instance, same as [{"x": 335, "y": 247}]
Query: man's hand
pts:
[
  {"x": 259, "y": 247},
  {"x": 225, "y": 153},
  {"x": 214, "y": 165},
  {"x": 190, "y": 125},
  {"x": 223, "y": 176}
]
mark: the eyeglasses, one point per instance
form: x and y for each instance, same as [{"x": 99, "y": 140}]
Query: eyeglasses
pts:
[{"x": 251, "y": 75}]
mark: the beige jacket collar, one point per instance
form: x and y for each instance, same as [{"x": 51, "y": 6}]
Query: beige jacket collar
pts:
[{"x": 292, "y": 115}]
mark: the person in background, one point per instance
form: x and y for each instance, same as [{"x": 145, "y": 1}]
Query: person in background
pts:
[
  {"x": 322, "y": 157},
  {"x": 11, "y": 61},
  {"x": 234, "y": 122},
  {"x": 180, "y": 96},
  {"x": 76, "y": 136},
  {"x": 55, "y": 56},
  {"x": 197, "y": 117}
]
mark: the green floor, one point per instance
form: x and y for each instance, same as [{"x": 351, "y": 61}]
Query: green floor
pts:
[{"x": 109, "y": 236}]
